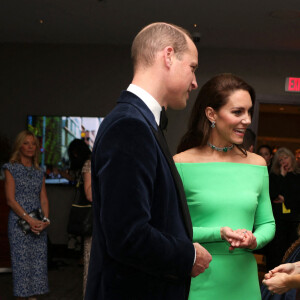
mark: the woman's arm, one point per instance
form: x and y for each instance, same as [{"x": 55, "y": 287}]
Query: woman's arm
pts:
[
  {"x": 44, "y": 200},
  {"x": 10, "y": 197},
  {"x": 87, "y": 182},
  {"x": 44, "y": 206},
  {"x": 264, "y": 224},
  {"x": 276, "y": 185}
]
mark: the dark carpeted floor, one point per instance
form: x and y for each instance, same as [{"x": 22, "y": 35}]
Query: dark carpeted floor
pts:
[{"x": 65, "y": 278}]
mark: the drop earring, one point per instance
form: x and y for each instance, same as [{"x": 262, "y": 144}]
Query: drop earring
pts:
[{"x": 213, "y": 124}]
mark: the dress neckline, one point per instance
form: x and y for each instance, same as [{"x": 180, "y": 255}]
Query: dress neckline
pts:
[{"x": 218, "y": 162}]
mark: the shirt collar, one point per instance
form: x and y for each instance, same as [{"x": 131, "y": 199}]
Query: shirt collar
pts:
[{"x": 151, "y": 103}]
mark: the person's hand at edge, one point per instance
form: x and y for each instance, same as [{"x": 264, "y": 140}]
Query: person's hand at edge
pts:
[
  {"x": 280, "y": 283},
  {"x": 289, "y": 268}
]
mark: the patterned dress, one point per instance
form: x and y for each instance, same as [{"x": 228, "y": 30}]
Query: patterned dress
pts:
[{"x": 28, "y": 252}]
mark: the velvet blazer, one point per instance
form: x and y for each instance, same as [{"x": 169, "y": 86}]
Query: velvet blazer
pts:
[{"x": 142, "y": 231}]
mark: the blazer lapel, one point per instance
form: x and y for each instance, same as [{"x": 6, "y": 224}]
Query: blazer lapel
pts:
[
  {"x": 178, "y": 183},
  {"x": 128, "y": 97}
]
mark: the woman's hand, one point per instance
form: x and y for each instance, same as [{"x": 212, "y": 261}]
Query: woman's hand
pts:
[
  {"x": 279, "y": 199},
  {"x": 290, "y": 268},
  {"x": 278, "y": 283},
  {"x": 248, "y": 240},
  {"x": 37, "y": 226},
  {"x": 232, "y": 237},
  {"x": 283, "y": 169}
]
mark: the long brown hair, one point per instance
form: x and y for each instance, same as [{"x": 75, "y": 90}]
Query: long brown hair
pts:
[
  {"x": 16, "y": 157},
  {"x": 215, "y": 94}
]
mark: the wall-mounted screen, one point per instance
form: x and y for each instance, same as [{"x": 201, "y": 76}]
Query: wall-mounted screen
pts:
[{"x": 55, "y": 133}]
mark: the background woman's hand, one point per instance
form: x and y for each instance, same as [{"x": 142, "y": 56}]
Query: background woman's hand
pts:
[
  {"x": 279, "y": 199},
  {"x": 283, "y": 169},
  {"x": 37, "y": 226}
]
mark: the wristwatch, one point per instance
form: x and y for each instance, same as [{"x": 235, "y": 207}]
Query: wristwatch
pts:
[{"x": 46, "y": 220}]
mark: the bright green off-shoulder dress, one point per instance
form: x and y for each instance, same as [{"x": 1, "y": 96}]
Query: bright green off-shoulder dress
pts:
[{"x": 227, "y": 194}]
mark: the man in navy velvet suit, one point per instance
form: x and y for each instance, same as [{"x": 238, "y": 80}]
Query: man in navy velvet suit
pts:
[{"x": 142, "y": 236}]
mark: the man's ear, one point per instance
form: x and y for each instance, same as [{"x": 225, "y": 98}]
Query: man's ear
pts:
[
  {"x": 168, "y": 56},
  {"x": 210, "y": 114}
]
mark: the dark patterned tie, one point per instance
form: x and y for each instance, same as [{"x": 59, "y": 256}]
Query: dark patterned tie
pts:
[{"x": 163, "y": 122}]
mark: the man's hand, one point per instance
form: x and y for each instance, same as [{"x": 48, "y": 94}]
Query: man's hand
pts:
[{"x": 203, "y": 258}]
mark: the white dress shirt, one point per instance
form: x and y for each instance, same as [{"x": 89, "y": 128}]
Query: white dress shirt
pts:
[{"x": 151, "y": 103}]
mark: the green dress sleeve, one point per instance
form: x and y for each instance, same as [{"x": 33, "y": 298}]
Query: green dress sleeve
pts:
[
  {"x": 203, "y": 234},
  {"x": 264, "y": 224},
  {"x": 206, "y": 234}
]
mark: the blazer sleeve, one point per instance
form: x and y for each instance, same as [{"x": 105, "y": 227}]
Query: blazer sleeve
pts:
[{"x": 126, "y": 166}]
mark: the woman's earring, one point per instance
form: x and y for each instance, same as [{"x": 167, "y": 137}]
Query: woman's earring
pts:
[{"x": 213, "y": 124}]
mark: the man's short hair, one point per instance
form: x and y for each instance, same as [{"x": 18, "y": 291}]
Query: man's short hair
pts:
[{"x": 155, "y": 37}]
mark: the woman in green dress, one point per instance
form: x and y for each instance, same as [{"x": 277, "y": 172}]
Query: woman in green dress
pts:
[{"x": 227, "y": 190}]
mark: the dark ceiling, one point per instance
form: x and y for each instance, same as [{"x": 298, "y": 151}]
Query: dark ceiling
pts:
[{"x": 256, "y": 24}]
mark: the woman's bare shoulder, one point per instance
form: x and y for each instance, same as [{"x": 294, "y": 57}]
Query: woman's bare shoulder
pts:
[
  {"x": 255, "y": 159},
  {"x": 188, "y": 156},
  {"x": 181, "y": 157}
]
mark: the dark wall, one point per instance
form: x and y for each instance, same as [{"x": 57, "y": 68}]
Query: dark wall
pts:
[{"x": 86, "y": 80}]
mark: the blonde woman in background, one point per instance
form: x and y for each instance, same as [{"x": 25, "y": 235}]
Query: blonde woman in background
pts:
[{"x": 25, "y": 192}]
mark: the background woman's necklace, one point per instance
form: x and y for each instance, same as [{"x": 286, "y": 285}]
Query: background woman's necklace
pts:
[{"x": 221, "y": 149}]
